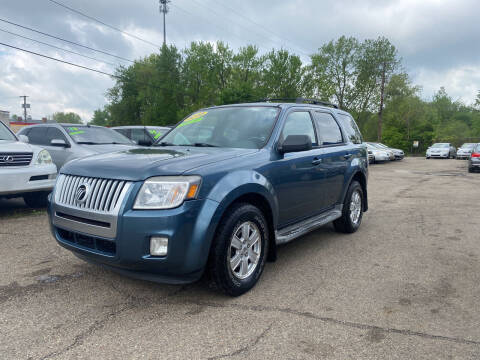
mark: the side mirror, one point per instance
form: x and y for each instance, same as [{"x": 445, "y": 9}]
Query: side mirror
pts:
[
  {"x": 144, "y": 142},
  {"x": 295, "y": 143},
  {"x": 59, "y": 143},
  {"x": 23, "y": 138}
]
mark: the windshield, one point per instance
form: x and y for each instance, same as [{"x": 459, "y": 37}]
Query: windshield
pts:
[
  {"x": 468, "y": 146},
  {"x": 5, "y": 133},
  {"x": 377, "y": 146},
  {"x": 234, "y": 127},
  {"x": 440, "y": 145},
  {"x": 95, "y": 135}
]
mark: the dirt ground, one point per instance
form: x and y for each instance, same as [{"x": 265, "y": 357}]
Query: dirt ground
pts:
[{"x": 405, "y": 286}]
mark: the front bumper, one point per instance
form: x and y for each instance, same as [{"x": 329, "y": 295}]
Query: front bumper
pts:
[
  {"x": 438, "y": 155},
  {"x": 474, "y": 163},
  {"x": 382, "y": 157},
  {"x": 189, "y": 229},
  {"x": 18, "y": 180}
]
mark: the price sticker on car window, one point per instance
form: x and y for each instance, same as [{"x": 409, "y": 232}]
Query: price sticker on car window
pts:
[
  {"x": 74, "y": 131},
  {"x": 197, "y": 117}
]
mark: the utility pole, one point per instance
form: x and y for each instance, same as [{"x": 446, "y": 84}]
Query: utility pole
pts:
[
  {"x": 164, "y": 10},
  {"x": 25, "y": 106}
]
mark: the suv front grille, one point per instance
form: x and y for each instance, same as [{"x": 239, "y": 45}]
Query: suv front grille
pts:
[
  {"x": 102, "y": 246},
  {"x": 102, "y": 195},
  {"x": 15, "y": 159}
]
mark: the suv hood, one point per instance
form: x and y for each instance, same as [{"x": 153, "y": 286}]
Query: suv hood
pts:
[
  {"x": 106, "y": 148},
  {"x": 16, "y": 146},
  {"x": 141, "y": 163}
]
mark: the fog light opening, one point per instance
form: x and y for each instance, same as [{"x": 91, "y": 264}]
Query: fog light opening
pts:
[{"x": 158, "y": 246}]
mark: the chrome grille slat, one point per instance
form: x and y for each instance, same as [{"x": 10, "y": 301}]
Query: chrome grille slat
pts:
[
  {"x": 104, "y": 197},
  {"x": 15, "y": 159}
]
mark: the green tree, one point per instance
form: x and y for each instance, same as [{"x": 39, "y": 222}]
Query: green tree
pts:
[
  {"x": 68, "y": 118},
  {"x": 282, "y": 75},
  {"x": 101, "y": 117}
]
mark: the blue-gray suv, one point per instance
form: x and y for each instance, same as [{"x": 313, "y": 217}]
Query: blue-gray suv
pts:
[{"x": 217, "y": 194}]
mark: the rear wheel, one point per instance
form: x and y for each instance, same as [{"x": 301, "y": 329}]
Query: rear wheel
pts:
[
  {"x": 352, "y": 210},
  {"x": 470, "y": 170},
  {"x": 238, "y": 253},
  {"x": 36, "y": 199}
]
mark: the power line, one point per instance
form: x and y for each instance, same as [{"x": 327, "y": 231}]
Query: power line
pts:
[
  {"x": 68, "y": 41},
  {"x": 103, "y": 23},
  {"x": 245, "y": 27},
  {"x": 83, "y": 67},
  {"x": 257, "y": 24},
  {"x": 62, "y": 61},
  {"x": 56, "y": 47}
]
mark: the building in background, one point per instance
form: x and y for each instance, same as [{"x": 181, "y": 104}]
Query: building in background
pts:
[
  {"x": 5, "y": 117},
  {"x": 19, "y": 123}
]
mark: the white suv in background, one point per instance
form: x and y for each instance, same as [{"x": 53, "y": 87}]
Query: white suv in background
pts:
[{"x": 25, "y": 170}]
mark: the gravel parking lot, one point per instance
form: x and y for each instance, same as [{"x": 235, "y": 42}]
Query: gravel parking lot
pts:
[{"x": 405, "y": 286}]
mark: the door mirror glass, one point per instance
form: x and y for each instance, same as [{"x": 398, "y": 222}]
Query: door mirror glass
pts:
[
  {"x": 295, "y": 143},
  {"x": 59, "y": 143}
]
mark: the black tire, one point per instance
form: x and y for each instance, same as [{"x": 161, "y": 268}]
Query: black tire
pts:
[
  {"x": 36, "y": 199},
  {"x": 470, "y": 170},
  {"x": 345, "y": 224},
  {"x": 219, "y": 268}
]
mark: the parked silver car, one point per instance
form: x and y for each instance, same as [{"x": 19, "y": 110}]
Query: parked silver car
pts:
[
  {"x": 143, "y": 135},
  {"x": 391, "y": 155},
  {"x": 441, "y": 150},
  {"x": 465, "y": 150},
  {"x": 397, "y": 153},
  {"x": 25, "y": 171},
  {"x": 66, "y": 142},
  {"x": 379, "y": 155}
]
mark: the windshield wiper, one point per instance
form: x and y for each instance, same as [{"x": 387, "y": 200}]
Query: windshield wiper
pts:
[
  {"x": 164, "y": 143},
  {"x": 87, "y": 143},
  {"x": 204, "y": 145}
]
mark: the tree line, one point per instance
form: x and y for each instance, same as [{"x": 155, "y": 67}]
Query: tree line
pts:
[{"x": 365, "y": 78}]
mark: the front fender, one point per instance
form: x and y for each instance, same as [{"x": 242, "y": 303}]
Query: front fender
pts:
[{"x": 239, "y": 183}]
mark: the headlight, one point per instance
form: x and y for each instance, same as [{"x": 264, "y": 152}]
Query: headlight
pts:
[
  {"x": 166, "y": 192},
  {"x": 43, "y": 158}
]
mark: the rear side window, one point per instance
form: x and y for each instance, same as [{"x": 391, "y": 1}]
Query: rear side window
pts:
[
  {"x": 139, "y": 135},
  {"x": 38, "y": 136},
  {"x": 299, "y": 123},
  {"x": 351, "y": 128},
  {"x": 329, "y": 132},
  {"x": 124, "y": 132}
]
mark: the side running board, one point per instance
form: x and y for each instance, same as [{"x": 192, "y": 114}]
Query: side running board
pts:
[{"x": 291, "y": 232}]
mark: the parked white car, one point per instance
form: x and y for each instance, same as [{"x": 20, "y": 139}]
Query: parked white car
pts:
[
  {"x": 379, "y": 155},
  {"x": 25, "y": 170}
]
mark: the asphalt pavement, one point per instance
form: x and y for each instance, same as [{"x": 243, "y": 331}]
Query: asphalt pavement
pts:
[{"x": 405, "y": 286}]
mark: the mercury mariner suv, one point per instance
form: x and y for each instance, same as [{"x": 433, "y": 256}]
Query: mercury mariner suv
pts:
[{"x": 217, "y": 194}]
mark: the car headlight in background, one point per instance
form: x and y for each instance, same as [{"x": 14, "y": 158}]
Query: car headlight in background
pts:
[
  {"x": 43, "y": 158},
  {"x": 167, "y": 192}
]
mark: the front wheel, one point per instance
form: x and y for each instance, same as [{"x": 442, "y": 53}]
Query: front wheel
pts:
[
  {"x": 36, "y": 199},
  {"x": 238, "y": 253},
  {"x": 352, "y": 210}
]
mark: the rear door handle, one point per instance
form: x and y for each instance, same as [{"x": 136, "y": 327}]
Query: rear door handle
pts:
[
  {"x": 316, "y": 161},
  {"x": 347, "y": 156}
]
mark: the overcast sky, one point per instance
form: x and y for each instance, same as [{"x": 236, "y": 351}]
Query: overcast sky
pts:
[{"x": 438, "y": 40}]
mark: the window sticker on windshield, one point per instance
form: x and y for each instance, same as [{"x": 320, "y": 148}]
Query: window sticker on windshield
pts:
[
  {"x": 156, "y": 134},
  {"x": 197, "y": 117},
  {"x": 74, "y": 131}
]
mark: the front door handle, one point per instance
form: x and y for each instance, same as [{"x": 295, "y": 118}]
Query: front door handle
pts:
[
  {"x": 347, "y": 156},
  {"x": 316, "y": 161}
]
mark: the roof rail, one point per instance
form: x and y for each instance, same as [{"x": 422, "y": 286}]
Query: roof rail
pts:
[{"x": 301, "y": 100}]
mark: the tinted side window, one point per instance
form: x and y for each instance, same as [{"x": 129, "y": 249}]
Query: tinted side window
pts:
[
  {"x": 54, "y": 133},
  {"x": 299, "y": 123},
  {"x": 25, "y": 132},
  {"x": 123, "y": 132},
  {"x": 328, "y": 130},
  {"x": 139, "y": 135},
  {"x": 351, "y": 128},
  {"x": 38, "y": 135}
]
